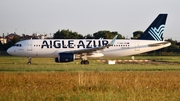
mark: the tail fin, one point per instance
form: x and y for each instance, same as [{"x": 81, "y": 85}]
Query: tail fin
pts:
[{"x": 156, "y": 29}]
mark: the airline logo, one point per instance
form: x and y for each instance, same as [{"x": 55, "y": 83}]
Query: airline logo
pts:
[
  {"x": 157, "y": 33},
  {"x": 71, "y": 44}
]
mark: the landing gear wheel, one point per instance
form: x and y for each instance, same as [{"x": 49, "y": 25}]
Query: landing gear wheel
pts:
[
  {"x": 84, "y": 62},
  {"x": 29, "y": 61}
]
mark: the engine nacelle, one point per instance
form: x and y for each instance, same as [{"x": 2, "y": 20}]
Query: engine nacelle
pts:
[{"x": 65, "y": 57}]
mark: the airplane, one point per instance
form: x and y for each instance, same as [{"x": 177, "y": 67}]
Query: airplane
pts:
[{"x": 67, "y": 50}]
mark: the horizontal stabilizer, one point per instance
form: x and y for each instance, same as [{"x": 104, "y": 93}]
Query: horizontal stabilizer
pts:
[{"x": 159, "y": 44}]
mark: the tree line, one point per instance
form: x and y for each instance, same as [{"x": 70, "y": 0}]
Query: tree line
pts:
[
  {"x": 4, "y": 47},
  {"x": 174, "y": 49},
  {"x": 67, "y": 34}
]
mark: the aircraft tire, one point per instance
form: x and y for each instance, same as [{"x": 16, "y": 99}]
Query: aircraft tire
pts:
[
  {"x": 29, "y": 63},
  {"x": 84, "y": 62}
]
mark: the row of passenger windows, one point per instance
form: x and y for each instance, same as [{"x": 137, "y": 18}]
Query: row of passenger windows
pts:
[
  {"x": 121, "y": 45},
  {"x": 91, "y": 45},
  {"x": 37, "y": 45}
]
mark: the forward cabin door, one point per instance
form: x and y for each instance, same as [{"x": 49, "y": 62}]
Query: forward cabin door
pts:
[{"x": 29, "y": 45}]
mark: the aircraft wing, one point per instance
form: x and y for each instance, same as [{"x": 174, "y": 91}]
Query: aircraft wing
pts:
[{"x": 90, "y": 50}]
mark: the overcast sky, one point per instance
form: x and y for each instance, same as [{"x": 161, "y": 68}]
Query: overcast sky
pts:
[{"x": 87, "y": 16}]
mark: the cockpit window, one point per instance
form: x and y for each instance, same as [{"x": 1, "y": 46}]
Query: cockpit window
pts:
[{"x": 18, "y": 45}]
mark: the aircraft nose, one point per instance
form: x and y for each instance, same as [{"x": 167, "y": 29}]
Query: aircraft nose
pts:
[{"x": 9, "y": 51}]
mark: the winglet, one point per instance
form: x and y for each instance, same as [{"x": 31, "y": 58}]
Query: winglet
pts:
[{"x": 114, "y": 39}]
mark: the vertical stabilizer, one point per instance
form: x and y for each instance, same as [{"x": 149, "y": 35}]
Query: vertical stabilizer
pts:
[{"x": 156, "y": 29}]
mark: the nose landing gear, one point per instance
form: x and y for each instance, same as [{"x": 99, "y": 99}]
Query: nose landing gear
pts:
[{"x": 29, "y": 60}]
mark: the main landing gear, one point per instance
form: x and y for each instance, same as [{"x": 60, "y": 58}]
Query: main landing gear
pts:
[
  {"x": 84, "y": 62},
  {"x": 84, "y": 59},
  {"x": 29, "y": 60}
]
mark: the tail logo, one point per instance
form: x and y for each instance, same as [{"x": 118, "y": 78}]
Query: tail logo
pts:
[{"x": 157, "y": 33}]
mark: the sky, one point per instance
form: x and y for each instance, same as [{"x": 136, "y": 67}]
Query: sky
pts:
[{"x": 87, "y": 16}]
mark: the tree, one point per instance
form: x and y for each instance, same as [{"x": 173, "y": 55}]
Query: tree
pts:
[
  {"x": 15, "y": 39},
  {"x": 137, "y": 34},
  {"x": 1, "y": 46},
  {"x": 107, "y": 35},
  {"x": 174, "y": 46},
  {"x": 67, "y": 34},
  {"x": 12, "y": 42},
  {"x": 89, "y": 36}
]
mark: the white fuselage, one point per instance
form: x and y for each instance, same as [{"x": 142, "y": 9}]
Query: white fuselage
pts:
[{"x": 51, "y": 47}]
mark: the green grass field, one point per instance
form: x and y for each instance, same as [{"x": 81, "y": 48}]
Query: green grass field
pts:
[
  {"x": 46, "y": 80},
  {"x": 18, "y": 64}
]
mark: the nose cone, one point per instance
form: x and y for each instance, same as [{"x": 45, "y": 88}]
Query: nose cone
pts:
[{"x": 10, "y": 51}]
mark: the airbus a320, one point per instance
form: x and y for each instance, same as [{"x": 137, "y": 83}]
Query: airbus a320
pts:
[{"x": 67, "y": 50}]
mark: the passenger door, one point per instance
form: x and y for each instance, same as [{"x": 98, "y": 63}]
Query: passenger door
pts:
[{"x": 29, "y": 45}]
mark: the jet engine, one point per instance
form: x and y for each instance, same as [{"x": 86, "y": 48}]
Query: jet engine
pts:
[{"x": 65, "y": 57}]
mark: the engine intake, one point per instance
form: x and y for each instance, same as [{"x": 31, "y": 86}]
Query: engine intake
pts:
[{"x": 65, "y": 57}]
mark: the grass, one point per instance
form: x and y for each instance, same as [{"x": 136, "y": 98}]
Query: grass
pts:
[
  {"x": 99, "y": 86},
  {"x": 18, "y": 64},
  {"x": 46, "y": 80}
]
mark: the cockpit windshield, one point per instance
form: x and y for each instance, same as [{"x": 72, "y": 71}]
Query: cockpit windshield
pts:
[{"x": 18, "y": 45}]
